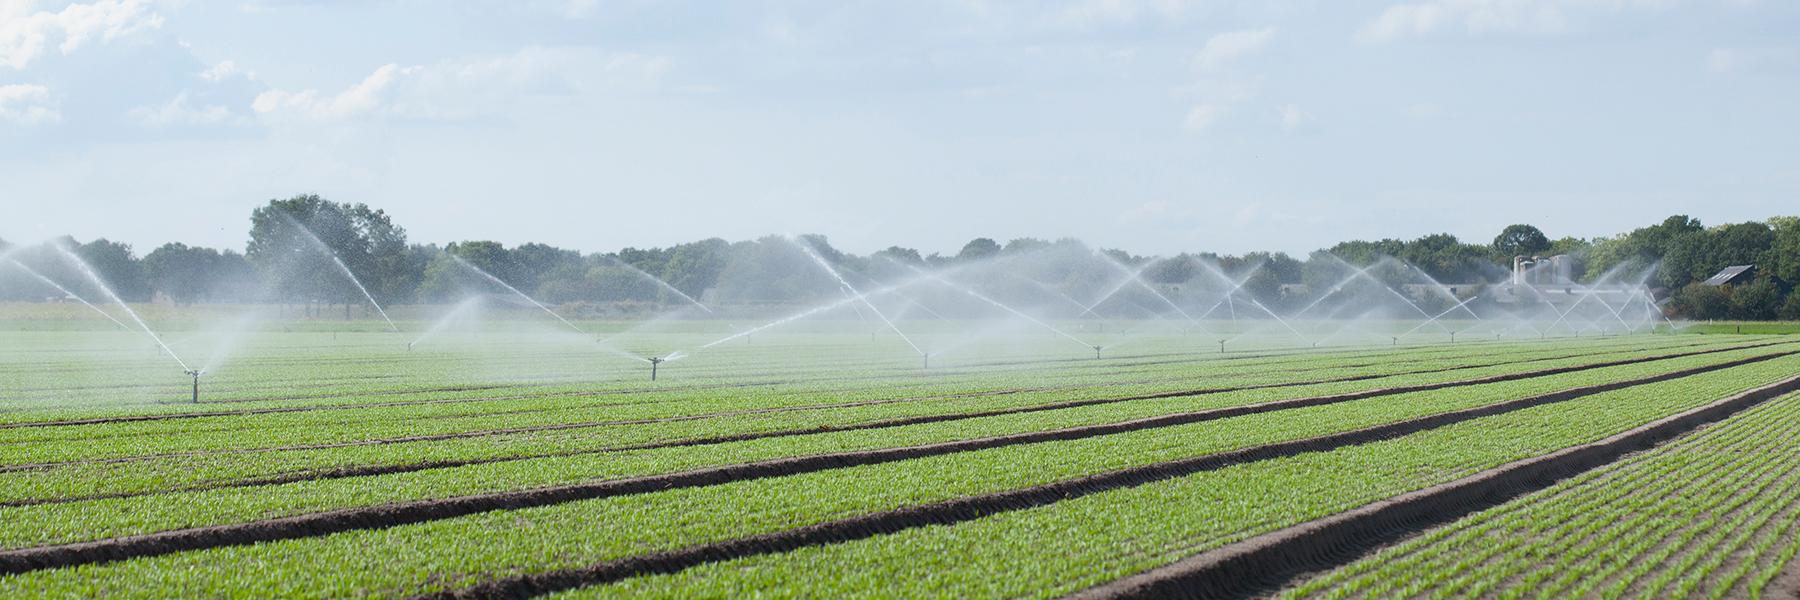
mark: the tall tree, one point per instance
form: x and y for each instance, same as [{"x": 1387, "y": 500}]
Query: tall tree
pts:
[
  {"x": 978, "y": 248},
  {"x": 115, "y": 265},
  {"x": 1518, "y": 240},
  {"x": 182, "y": 273},
  {"x": 365, "y": 240}
]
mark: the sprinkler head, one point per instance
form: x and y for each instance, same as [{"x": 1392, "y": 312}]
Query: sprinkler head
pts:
[
  {"x": 1096, "y": 352},
  {"x": 654, "y": 360},
  {"x": 409, "y": 346}
]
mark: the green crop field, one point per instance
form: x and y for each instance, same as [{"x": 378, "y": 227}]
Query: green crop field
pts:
[{"x": 505, "y": 460}]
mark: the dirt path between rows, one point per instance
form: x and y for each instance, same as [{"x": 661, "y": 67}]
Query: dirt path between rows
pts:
[{"x": 1270, "y": 560}]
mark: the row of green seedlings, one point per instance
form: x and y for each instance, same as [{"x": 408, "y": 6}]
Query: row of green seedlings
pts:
[
  {"x": 564, "y": 468},
  {"x": 1097, "y": 537},
  {"x": 1709, "y": 515}
]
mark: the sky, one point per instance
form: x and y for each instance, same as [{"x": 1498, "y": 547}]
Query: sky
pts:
[{"x": 1157, "y": 126}]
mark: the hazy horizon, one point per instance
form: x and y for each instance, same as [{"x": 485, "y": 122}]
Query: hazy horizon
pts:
[{"x": 1155, "y": 126}]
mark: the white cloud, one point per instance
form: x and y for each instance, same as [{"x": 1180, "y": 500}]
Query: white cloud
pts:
[
  {"x": 1739, "y": 60},
  {"x": 181, "y": 111},
  {"x": 1224, "y": 47},
  {"x": 466, "y": 89},
  {"x": 1088, "y": 13},
  {"x": 1490, "y": 16},
  {"x": 1148, "y": 211},
  {"x": 25, "y": 32},
  {"x": 1202, "y": 116},
  {"x": 1292, "y": 118},
  {"x": 27, "y": 104},
  {"x": 224, "y": 70},
  {"x": 363, "y": 97}
]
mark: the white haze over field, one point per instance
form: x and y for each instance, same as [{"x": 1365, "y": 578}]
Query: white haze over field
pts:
[{"x": 1158, "y": 126}]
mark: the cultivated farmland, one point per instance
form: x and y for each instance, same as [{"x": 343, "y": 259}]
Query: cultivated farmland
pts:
[{"x": 339, "y": 461}]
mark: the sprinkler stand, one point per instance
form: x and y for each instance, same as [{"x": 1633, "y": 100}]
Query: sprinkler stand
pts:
[
  {"x": 195, "y": 373},
  {"x": 654, "y": 360},
  {"x": 1096, "y": 353},
  {"x": 1221, "y": 346},
  {"x": 927, "y": 358}
]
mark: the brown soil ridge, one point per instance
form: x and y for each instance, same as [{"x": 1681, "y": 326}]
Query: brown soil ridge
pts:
[
  {"x": 1067, "y": 433},
  {"x": 1267, "y": 561},
  {"x": 289, "y": 409},
  {"x": 985, "y": 505},
  {"x": 959, "y": 510},
  {"x": 882, "y": 424}
]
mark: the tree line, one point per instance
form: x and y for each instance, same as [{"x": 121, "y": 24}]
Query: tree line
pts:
[{"x": 299, "y": 248}]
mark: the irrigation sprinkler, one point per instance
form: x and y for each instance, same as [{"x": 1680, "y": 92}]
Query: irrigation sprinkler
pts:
[
  {"x": 927, "y": 358},
  {"x": 1096, "y": 353},
  {"x": 195, "y": 373},
  {"x": 409, "y": 346},
  {"x": 654, "y": 360},
  {"x": 1396, "y": 340},
  {"x": 1452, "y": 337},
  {"x": 1221, "y": 346}
]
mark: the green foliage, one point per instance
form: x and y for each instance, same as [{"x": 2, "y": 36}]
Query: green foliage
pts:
[
  {"x": 1701, "y": 301},
  {"x": 297, "y": 269},
  {"x": 1518, "y": 240},
  {"x": 116, "y": 266},
  {"x": 977, "y": 249},
  {"x": 1756, "y": 301}
]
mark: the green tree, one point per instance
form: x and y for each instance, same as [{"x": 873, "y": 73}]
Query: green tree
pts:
[
  {"x": 115, "y": 265},
  {"x": 1790, "y": 310},
  {"x": 365, "y": 240},
  {"x": 182, "y": 273},
  {"x": 1520, "y": 239},
  {"x": 1758, "y": 301},
  {"x": 978, "y": 249},
  {"x": 1783, "y": 259},
  {"x": 695, "y": 267},
  {"x": 1701, "y": 301}
]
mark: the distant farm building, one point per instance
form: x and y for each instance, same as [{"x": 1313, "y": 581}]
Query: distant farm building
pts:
[{"x": 1732, "y": 275}]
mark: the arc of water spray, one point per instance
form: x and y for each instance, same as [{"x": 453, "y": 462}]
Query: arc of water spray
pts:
[
  {"x": 1355, "y": 272},
  {"x": 1003, "y": 306},
  {"x": 1278, "y": 319},
  {"x": 1436, "y": 317},
  {"x": 1235, "y": 286},
  {"x": 459, "y": 260},
  {"x": 342, "y": 267},
  {"x": 1129, "y": 276},
  {"x": 88, "y": 271},
  {"x": 658, "y": 280},
  {"x": 1135, "y": 276},
  {"x": 803, "y": 314},
  {"x": 804, "y": 247},
  {"x": 77, "y": 297}
]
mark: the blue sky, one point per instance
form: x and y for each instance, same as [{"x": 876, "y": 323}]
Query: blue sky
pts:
[{"x": 1158, "y": 126}]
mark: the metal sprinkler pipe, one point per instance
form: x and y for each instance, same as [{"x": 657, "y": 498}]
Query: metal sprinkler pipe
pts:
[
  {"x": 654, "y": 360},
  {"x": 927, "y": 358},
  {"x": 1096, "y": 353},
  {"x": 1221, "y": 346},
  {"x": 195, "y": 373}
]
